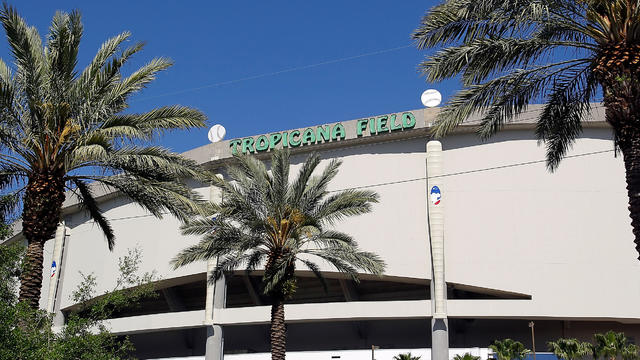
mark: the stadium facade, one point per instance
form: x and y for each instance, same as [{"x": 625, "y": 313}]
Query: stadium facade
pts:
[{"x": 521, "y": 245}]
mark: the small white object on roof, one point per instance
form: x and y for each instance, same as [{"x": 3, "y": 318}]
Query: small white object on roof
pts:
[
  {"x": 217, "y": 133},
  {"x": 431, "y": 98}
]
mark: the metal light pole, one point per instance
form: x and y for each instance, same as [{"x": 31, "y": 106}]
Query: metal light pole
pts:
[
  {"x": 373, "y": 349},
  {"x": 435, "y": 214},
  {"x": 533, "y": 339}
]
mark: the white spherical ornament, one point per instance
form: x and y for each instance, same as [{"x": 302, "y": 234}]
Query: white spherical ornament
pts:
[
  {"x": 431, "y": 98},
  {"x": 217, "y": 133}
]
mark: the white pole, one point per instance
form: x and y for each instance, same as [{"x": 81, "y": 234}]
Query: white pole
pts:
[
  {"x": 215, "y": 196},
  {"x": 56, "y": 261},
  {"x": 214, "y": 346},
  {"x": 435, "y": 213}
]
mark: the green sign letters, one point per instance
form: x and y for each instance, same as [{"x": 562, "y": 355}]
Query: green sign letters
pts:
[{"x": 322, "y": 134}]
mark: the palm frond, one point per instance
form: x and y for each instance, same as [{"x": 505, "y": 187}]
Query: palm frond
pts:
[
  {"x": 26, "y": 47},
  {"x": 501, "y": 98},
  {"x": 316, "y": 187},
  {"x": 560, "y": 121},
  {"x": 155, "y": 122},
  {"x": 90, "y": 205},
  {"x": 315, "y": 269},
  {"x": 345, "y": 203},
  {"x": 63, "y": 43},
  {"x": 106, "y": 51},
  {"x": 300, "y": 182},
  {"x": 135, "y": 82},
  {"x": 263, "y": 216},
  {"x": 468, "y": 20},
  {"x": 156, "y": 197},
  {"x": 9, "y": 203},
  {"x": 280, "y": 176}
]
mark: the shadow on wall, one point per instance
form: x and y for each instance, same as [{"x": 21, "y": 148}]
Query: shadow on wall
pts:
[{"x": 472, "y": 139}]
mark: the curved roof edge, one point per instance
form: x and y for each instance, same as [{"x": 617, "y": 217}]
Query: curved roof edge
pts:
[{"x": 219, "y": 154}]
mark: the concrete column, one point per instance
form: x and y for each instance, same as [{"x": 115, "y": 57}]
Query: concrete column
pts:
[
  {"x": 439, "y": 339},
  {"x": 215, "y": 342},
  {"x": 208, "y": 309},
  {"x": 438, "y": 286},
  {"x": 56, "y": 265},
  {"x": 215, "y": 299},
  {"x": 216, "y": 294}
]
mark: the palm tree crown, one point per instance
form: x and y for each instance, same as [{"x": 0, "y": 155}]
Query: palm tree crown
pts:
[
  {"x": 611, "y": 345},
  {"x": 266, "y": 220},
  {"x": 63, "y": 129},
  {"x": 509, "y": 349},
  {"x": 408, "y": 356},
  {"x": 466, "y": 356},
  {"x": 569, "y": 349},
  {"x": 509, "y": 53}
]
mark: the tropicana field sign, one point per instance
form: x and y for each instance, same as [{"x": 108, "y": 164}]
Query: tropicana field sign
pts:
[{"x": 323, "y": 134}]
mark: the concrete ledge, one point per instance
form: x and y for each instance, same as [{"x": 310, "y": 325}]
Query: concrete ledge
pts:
[
  {"x": 411, "y": 309},
  {"x": 356, "y": 310},
  {"x": 157, "y": 322}
]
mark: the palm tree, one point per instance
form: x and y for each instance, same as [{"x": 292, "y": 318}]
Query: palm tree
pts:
[
  {"x": 631, "y": 352},
  {"x": 466, "y": 356},
  {"x": 610, "y": 345},
  {"x": 63, "y": 129},
  {"x": 408, "y": 356},
  {"x": 509, "y": 349},
  {"x": 264, "y": 219},
  {"x": 568, "y": 349},
  {"x": 561, "y": 52}
]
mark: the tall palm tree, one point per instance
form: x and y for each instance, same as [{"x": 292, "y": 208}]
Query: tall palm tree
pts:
[
  {"x": 509, "y": 53},
  {"x": 569, "y": 349},
  {"x": 509, "y": 349},
  {"x": 264, "y": 219},
  {"x": 610, "y": 345},
  {"x": 63, "y": 129}
]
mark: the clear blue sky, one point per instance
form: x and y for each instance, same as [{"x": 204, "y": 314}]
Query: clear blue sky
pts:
[{"x": 213, "y": 42}]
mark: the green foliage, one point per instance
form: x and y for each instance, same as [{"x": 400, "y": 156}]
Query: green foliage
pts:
[
  {"x": 27, "y": 334},
  {"x": 569, "y": 349},
  {"x": 631, "y": 352},
  {"x": 10, "y": 265},
  {"x": 509, "y": 349},
  {"x": 63, "y": 128},
  {"x": 266, "y": 218},
  {"x": 612, "y": 345},
  {"x": 466, "y": 356},
  {"x": 509, "y": 54},
  {"x": 408, "y": 356},
  {"x": 8, "y": 204},
  {"x": 129, "y": 290},
  {"x": 68, "y": 124}
]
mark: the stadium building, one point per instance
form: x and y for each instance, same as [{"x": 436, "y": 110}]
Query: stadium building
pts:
[{"x": 521, "y": 245}]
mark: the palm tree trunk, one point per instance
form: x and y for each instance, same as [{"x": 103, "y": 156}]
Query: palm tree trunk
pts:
[
  {"x": 616, "y": 69},
  {"x": 31, "y": 276},
  {"x": 629, "y": 142},
  {"x": 622, "y": 102},
  {"x": 42, "y": 204},
  {"x": 278, "y": 331}
]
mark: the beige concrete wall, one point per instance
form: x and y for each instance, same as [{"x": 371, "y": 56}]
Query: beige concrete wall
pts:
[
  {"x": 563, "y": 238},
  {"x": 87, "y": 252}
]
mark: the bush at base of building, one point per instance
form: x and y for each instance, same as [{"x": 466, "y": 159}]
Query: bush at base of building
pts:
[
  {"x": 27, "y": 334},
  {"x": 607, "y": 346},
  {"x": 466, "y": 356},
  {"x": 509, "y": 349},
  {"x": 406, "y": 356}
]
